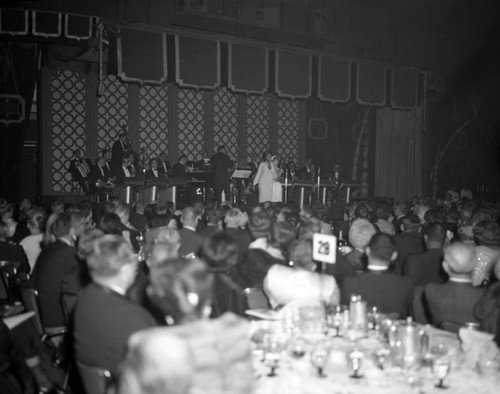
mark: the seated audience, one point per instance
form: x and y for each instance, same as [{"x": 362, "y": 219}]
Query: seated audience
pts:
[
  {"x": 487, "y": 309},
  {"x": 409, "y": 241},
  {"x": 181, "y": 290},
  {"x": 487, "y": 237},
  {"x": 360, "y": 234},
  {"x": 378, "y": 286},
  {"x": 400, "y": 209},
  {"x": 453, "y": 302},
  {"x": 235, "y": 221},
  {"x": 55, "y": 260},
  {"x": 103, "y": 317},
  {"x": 220, "y": 252},
  {"x": 299, "y": 282},
  {"x": 214, "y": 218},
  {"x": 427, "y": 267},
  {"x": 10, "y": 251},
  {"x": 32, "y": 243},
  {"x": 205, "y": 356},
  {"x": 383, "y": 214},
  {"x": 191, "y": 241}
]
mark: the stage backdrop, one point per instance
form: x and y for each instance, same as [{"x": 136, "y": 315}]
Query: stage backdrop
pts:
[{"x": 158, "y": 119}]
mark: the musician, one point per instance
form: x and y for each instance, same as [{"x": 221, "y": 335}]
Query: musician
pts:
[
  {"x": 164, "y": 164},
  {"x": 335, "y": 174},
  {"x": 132, "y": 167},
  {"x": 179, "y": 169},
  {"x": 278, "y": 172},
  {"x": 79, "y": 168},
  {"x": 119, "y": 149},
  {"x": 100, "y": 175},
  {"x": 291, "y": 170},
  {"x": 221, "y": 165},
  {"x": 308, "y": 171},
  {"x": 204, "y": 163},
  {"x": 154, "y": 175},
  {"x": 106, "y": 153},
  {"x": 265, "y": 178},
  {"x": 123, "y": 172}
]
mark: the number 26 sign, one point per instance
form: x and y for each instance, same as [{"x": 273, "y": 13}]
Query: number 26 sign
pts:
[{"x": 324, "y": 248}]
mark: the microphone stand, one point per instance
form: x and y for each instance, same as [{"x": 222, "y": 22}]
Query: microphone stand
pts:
[
  {"x": 286, "y": 185},
  {"x": 319, "y": 179}
]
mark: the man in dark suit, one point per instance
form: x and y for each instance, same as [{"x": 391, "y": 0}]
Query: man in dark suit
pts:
[
  {"x": 191, "y": 241},
  {"x": 164, "y": 164},
  {"x": 179, "y": 168},
  {"x": 214, "y": 217},
  {"x": 221, "y": 164},
  {"x": 80, "y": 168},
  {"x": 425, "y": 268},
  {"x": 54, "y": 262},
  {"x": 119, "y": 149},
  {"x": 154, "y": 174},
  {"x": 122, "y": 172},
  {"x": 453, "y": 302},
  {"x": 400, "y": 210},
  {"x": 410, "y": 241},
  {"x": 104, "y": 318},
  {"x": 391, "y": 293}
]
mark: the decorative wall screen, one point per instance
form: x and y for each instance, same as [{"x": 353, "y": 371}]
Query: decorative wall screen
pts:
[
  {"x": 191, "y": 123},
  {"x": 153, "y": 120},
  {"x": 112, "y": 112},
  {"x": 257, "y": 126},
  {"x": 226, "y": 121},
  {"x": 288, "y": 129},
  {"x": 69, "y": 125}
]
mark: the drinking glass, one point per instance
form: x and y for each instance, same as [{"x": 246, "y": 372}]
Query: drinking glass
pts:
[
  {"x": 355, "y": 360},
  {"x": 274, "y": 345},
  {"x": 319, "y": 358},
  {"x": 441, "y": 368}
]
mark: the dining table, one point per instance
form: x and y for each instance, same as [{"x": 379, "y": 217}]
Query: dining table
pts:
[{"x": 294, "y": 370}]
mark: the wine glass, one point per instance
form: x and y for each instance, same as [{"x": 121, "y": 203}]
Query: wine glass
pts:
[
  {"x": 319, "y": 357},
  {"x": 441, "y": 368},
  {"x": 273, "y": 347},
  {"x": 381, "y": 356},
  {"x": 355, "y": 359}
]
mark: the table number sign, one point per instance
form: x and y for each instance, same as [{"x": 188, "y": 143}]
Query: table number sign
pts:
[{"x": 324, "y": 248}]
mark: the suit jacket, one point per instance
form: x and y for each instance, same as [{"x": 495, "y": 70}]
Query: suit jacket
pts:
[
  {"x": 164, "y": 167},
  {"x": 191, "y": 242},
  {"x": 341, "y": 270},
  {"x": 150, "y": 177},
  {"x": 103, "y": 321},
  {"x": 391, "y": 293},
  {"x": 207, "y": 231},
  {"x": 53, "y": 264},
  {"x": 228, "y": 296},
  {"x": 406, "y": 244},
  {"x": 425, "y": 268},
  {"x": 119, "y": 173},
  {"x": 178, "y": 170},
  {"x": 221, "y": 163},
  {"x": 451, "y": 302},
  {"x": 96, "y": 174},
  {"x": 117, "y": 153},
  {"x": 242, "y": 237}
]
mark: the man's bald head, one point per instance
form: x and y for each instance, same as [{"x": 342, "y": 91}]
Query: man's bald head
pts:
[
  {"x": 459, "y": 259},
  {"x": 189, "y": 217}
]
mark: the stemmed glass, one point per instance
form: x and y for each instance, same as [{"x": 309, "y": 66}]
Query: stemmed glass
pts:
[
  {"x": 441, "y": 368},
  {"x": 274, "y": 344},
  {"x": 319, "y": 358},
  {"x": 355, "y": 359}
]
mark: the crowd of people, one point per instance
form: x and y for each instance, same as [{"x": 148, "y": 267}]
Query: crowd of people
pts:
[{"x": 109, "y": 270}]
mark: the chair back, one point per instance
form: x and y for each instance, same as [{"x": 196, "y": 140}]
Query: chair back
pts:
[
  {"x": 30, "y": 301},
  {"x": 95, "y": 380},
  {"x": 256, "y": 298}
]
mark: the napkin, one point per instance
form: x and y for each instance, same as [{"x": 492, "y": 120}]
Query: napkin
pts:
[{"x": 477, "y": 345}]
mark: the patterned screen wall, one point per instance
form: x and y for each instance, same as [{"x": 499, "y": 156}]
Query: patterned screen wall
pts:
[
  {"x": 68, "y": 119},
  {"x": 226, "y": 121},
  {"x": 288, "y": 129},
  {"x": 112, "y": 112},
  {"x": 191, "y": 123},
  {"x": 257, "y": 126},
  {"x": 153, "y": 120}
]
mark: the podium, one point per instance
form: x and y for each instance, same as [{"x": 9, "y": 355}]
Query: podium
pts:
[{"x": 128, "y": 192}]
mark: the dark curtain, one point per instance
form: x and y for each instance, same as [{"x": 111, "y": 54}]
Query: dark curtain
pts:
[{"x": 18, "y": 75}]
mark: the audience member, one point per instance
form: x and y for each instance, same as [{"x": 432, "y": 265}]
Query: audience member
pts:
[
  {"x": 104, "y": 318},
  {"x": 409, "y": 241},
  {"x": 191, "y": 241},
  {"x": 487, "y": 237},
  {"x": 213, "y": 225},
  {"x": 220, "y": 252},
  {"x": 487, "y": 309},
  {"x": 360, "y": 234},
  {"x": 378, "y": 286},
  {"x": 401, "y": 209},
  {"x": 12, "y": 252},
  {"x": 453, "y": 302},
  {"x": 425, "y": 268},
  {"x": 32, "y": 243}
]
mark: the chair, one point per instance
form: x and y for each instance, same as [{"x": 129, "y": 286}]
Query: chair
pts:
[
  {"x": 256, "y": 298},
  {"x": 95, "y": 380},
  {"x": 30, "y": 301}
]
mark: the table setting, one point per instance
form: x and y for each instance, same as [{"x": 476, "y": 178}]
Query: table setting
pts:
[{"x": 313, "y": 348}]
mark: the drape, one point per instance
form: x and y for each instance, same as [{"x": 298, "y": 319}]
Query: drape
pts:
[{"x": 398, "y": 155}]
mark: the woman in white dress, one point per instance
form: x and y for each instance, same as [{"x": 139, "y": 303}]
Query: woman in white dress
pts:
[
  {"x": 277, "y": 192},
  {"x": 265, "y": 179}
]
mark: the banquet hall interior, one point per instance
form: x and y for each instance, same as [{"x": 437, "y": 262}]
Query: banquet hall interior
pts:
[{"x": 249, "y": 196}]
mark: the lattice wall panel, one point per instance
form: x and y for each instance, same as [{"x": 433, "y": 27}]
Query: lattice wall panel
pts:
[
  {"x": 153, "y": 120},
  {"x": 191, "y": 123},
  {"x": 226, "y": 121},
  {"x": 257, "y": 126},
  {"x": 69, "y": 124},
  {"x": 112, "y": 112},
  {"x": 288, "y": 129}
]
